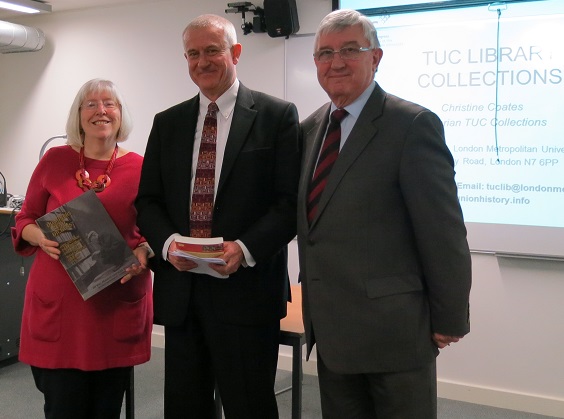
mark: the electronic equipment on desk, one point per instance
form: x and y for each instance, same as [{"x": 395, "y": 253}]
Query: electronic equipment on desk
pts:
[
  {"x": 3, "y": 192},
  {"x": 15, "y": 201},
  {"x": 8, "y": 200}
]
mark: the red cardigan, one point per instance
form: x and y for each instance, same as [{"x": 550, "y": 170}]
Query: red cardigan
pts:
[{"x": 59, "y": 329}]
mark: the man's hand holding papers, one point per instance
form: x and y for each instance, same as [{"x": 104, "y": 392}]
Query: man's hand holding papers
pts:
[{"x": 202, "y": 251}]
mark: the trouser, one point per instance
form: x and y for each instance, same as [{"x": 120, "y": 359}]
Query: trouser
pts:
[{"x": 73, "y": 394}]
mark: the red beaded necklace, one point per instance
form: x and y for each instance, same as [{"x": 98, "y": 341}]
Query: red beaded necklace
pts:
[{"x": 102, "y": 182}]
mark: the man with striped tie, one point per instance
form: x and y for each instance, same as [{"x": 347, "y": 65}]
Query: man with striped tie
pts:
[
  {"x": 222, "y": 164},
  {"x": 384, "y": 261}
]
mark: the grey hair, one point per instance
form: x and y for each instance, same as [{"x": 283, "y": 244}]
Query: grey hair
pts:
[
  {"x": 75, "y": 133},
  {"x": 207, "y": 21},
  {"x": 342, "y": 19}
]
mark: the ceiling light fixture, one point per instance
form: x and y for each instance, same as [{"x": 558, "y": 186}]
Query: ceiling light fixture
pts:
[{"x": 25, "y": 6}]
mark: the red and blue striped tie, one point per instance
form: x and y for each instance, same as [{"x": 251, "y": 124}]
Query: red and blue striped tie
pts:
[{"x": 327, "y": 157}]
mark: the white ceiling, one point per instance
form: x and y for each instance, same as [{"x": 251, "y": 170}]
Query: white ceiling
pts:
[{"x": 62, "y": 5}]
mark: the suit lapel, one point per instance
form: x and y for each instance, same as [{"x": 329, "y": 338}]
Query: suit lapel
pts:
[
  {"x": 180, "y": 153},
  {"x": 313, "y": 140},
  {"x": 363, "y": 132},
  {"x": 243, "y": 118}
]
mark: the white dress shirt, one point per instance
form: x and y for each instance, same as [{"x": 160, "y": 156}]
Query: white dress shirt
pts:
[{"x": 226, "y": 105}]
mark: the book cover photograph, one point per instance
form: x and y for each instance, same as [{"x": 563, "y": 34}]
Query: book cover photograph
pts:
[
  {"x": 93, "y": 251},
  {"x": 203, "y": 251},
  {"x": 201, "y": 247}
]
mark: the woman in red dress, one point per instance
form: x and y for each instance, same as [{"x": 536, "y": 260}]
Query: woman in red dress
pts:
[{"x": 81, "y": 352}]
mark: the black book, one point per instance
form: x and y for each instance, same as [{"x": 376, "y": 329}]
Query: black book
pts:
[{"x": 93, "y": 251}]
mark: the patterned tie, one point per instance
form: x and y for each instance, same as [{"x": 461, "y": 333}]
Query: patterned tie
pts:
[
  {"x": 327, "y": 157},
  {"x": 201, "y": 211}
]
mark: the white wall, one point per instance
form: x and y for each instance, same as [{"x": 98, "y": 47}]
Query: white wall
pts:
[
  {"x": 138, "y": 47},
  {"x": 513, "y": 356}
]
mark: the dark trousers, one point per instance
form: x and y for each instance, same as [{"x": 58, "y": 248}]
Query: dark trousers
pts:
[
  {"x": 73, "y": 394},
  {"x": 391, "y": 395},
  {"x": 241, "y": 359}
]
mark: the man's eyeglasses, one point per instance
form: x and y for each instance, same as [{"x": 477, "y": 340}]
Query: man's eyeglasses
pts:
[
  {"x": 346, "y": 53},
  {"x": 91, "y": 105}
]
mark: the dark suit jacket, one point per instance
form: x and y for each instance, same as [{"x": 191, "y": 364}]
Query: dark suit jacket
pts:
[
  {"x": 385, "y": 262},
  {"x": 255, "y": 203}
]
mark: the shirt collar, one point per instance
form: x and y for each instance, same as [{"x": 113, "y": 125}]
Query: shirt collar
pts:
[
  {"x": 356, "y": 107},
  {"x": 225, "y": 103}
]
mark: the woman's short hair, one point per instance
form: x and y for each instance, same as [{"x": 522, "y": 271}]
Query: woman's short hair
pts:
[{"x": 75, "y": 133}]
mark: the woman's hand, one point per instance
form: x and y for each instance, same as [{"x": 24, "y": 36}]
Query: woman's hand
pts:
[
  {"x": 142, "y": 253},
  {"x": 50, "y": 247},
  {"x": 34, "y": 236}
]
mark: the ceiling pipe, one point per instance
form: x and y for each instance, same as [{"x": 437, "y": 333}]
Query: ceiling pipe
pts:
[{"x": 19, "y": 38}]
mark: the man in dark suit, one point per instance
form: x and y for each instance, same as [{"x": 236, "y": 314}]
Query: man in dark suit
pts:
[
  {"x": 222, "y": 330},
  {"x": 384, "y": 262}
]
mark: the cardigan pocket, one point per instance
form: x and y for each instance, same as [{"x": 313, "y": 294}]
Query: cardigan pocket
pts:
[
  {"x": 45, "y": 318},
  {"x": 130, "y": 320}
]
